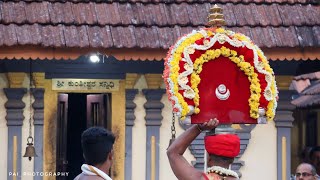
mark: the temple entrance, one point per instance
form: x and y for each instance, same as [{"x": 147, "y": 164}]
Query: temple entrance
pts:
[{"x": 77, "y": 112}]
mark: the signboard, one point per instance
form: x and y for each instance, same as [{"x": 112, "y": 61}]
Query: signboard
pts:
[{"x": 85, "y": 84}]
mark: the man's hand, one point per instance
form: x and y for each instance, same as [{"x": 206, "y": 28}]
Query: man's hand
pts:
[{"x": 213, "y": 123}]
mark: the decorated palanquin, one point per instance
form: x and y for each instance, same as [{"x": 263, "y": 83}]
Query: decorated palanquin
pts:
[{"x": 217, "y": 73}]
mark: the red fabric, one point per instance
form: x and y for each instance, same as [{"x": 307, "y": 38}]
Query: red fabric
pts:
[
  {"x": 227, "y": 145},
  {"x": 222, "y": 70},
  {"x": 233, "y": 110}
]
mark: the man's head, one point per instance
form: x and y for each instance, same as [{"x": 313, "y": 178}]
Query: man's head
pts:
[
  {"x": 306, "y": 171},
  {"x": 315, "y": 158},
  {"x": 97, "y": 144},
  {"x": 222, "y": 148}
]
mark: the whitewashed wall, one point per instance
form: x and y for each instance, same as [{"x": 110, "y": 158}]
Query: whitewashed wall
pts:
[
  {"x": 3, "y": 128},
  {"x": 261, "y": 155}
]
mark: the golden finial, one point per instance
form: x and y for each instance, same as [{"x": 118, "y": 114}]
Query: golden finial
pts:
[{"x": 215, "y": 17}]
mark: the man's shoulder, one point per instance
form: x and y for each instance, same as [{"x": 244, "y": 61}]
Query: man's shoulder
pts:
[{"x": 86, "y": 177}]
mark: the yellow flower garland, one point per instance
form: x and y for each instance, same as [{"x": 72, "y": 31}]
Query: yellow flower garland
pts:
[
  {"x": 175, "y": 70},
  {"x": 270, "y": 108},
  {"x": 246, "y": 67}
]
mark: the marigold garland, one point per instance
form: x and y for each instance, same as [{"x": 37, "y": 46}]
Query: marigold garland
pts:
[
  {"x": 174, "y": 57},
  {"x": 239, "y": 61},
  {"x": 175, "y": 72}
]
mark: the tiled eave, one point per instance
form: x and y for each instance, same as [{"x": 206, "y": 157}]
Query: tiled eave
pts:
[{"x": 38, "y": 52}]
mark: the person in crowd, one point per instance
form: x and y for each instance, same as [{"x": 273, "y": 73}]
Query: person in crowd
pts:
[{"x": 97, "y": 144}]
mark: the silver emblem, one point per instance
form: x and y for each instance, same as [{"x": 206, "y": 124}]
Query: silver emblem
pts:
[{"x": 222, "y": 92}]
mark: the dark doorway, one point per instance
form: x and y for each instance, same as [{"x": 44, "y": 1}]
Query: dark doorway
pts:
[
  {"x": 76, "y": 125},
  {"x": 77, "y": 112}
]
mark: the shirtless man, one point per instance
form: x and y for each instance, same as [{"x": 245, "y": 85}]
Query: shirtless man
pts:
[
  {"x": 221, "y": 148},
  {"x": 97, "y": 144}
]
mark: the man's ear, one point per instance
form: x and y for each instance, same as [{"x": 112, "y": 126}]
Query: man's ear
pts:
[{"x": 110, "y": 155}]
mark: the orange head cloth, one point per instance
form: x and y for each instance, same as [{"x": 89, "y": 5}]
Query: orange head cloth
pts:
[{"x": 227, "y": 145}]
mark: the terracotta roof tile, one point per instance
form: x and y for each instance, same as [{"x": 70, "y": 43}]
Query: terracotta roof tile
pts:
[
  {"x": 23, "y": 34},
  {"x": 261, "y": 15},
  {"x": 274, "y": 15},
  {"x": 316, "y": 32},
  {"x": 229, "y": 16},
  {"x": 286, "y": 15},
  {"x": 9, "y": 35},
  {"x": 154, "y": 43},
  {"x": 148, "y": 14},
  {"x": 141, "y": 33},
  {"x": 151, "y": 23},
  {"x": 306, "y": 100},
  {"x": 126, "y": 13},
  {"x": 269, "y": 39},
  {"x": 37, "y": 12},
  {"x": 249, "y": 13},
  {"x": 116, "y": 37},
  {"x": 127, "y": 37},
  {"x": 61, "y": 13},
  {"x": 257, "y": 36},
  {"x": 165, "y": 37},
  {"x": 286, "y": 37},
  {"x": 315, "y": 89},
  {"x": 177, "y": 33},
  {"x": 53, "y": 36},
  {"x": 138, "y": 13},
  {"x": 163, "y": 19},
  {"x": 314, "y": 13},
  {"x": 13, "y": 12},
  {"x": 2, "y": 35},
  {"x": 58, "y": 35},
  {"x": 36, "y": 34},
  {"x": 302, "y": 16},
  {"x": 83, "y": 36},
  {"x": 84, "y": 13},
  {"x": 240, "y": 18},
  {"x": 102, "y": 15},
  {"x": 307, "y": 14},
  {"x": 47, "y": 39},
  {"x": 71, "y": 36},
  {"x": 100, "y": 37},
  {"x": 305, "y": 36},
  {"x": 179, "y": 14},
  {"x": 156, "y": 15},
  {"x": 113, "y": 13},
  {"x": 146, "y": 37}
]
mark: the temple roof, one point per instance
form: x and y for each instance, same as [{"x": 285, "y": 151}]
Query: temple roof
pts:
[{"x": 154, "y": 24}]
